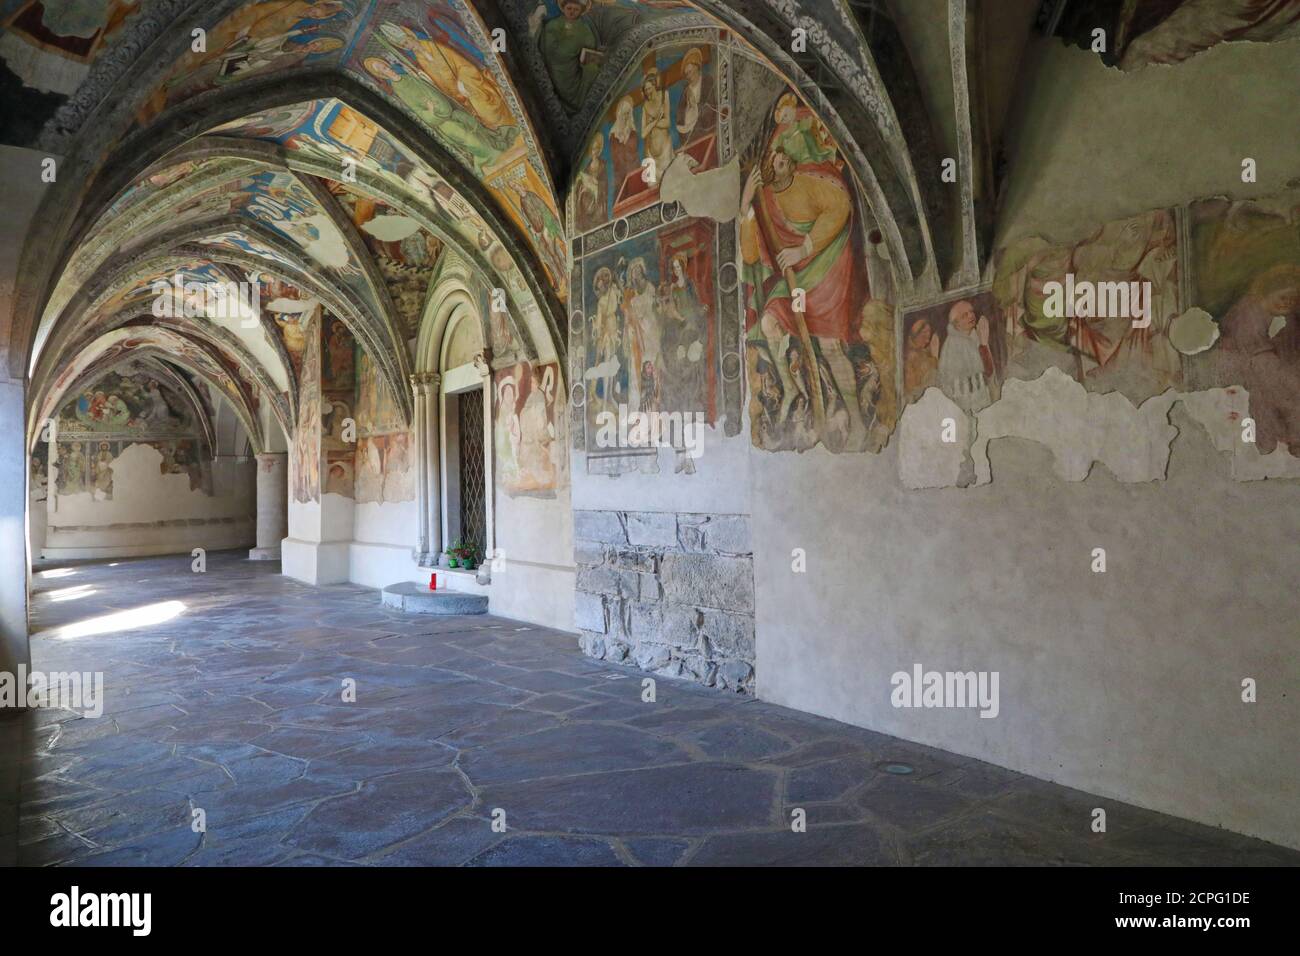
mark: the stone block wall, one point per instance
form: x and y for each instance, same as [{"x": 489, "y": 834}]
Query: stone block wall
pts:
[{"x": 671, "y": 593}]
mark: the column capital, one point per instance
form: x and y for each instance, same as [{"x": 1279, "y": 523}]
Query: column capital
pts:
[{"x": 420, "y": 381}]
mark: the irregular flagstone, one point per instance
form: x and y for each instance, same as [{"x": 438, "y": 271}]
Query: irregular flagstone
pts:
[
  {"x": 566, "y": 750},
  {"x": 235, "y": 707},
  {"x": 383, "y": 812},
  {"x": 687, "y": 799},
  {"x": 549, "y": 850}
]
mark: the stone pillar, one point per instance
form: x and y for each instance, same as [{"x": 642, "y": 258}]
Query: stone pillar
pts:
[
  {"x": 13, "y": 527},
  {"x": 425, "y": 387},
  {"x": 272, "y": 505}
]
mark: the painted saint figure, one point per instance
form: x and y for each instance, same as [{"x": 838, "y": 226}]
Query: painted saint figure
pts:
[
  {"x": 623, "y": 143},
  {"x": 573, "y": 44},
  {"x": 796, "y": 233},
  {"x": 592, "y": 188},
  {"x": 685, "y": 340},
  {"x": 656, "y": 124},
  {"x": 459, "y": 129},
  {"x": 697, "y": 111}
]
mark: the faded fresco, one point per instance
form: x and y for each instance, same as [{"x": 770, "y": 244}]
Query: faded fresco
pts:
[
  {"x": 1170, "y": 31},
  {"x": 1245, "y": 259},
  {"x": 291, "y": 311},
  {"x": 338, "y": 396},
  {"x": 48, "y": 47},
  {"x": 405, "y": 253},
  {"x": 118, "y": 409},
  {"x": 326, "y": 131},
  {"x": 306, "y": 451},
  {"x": 574, "y": 38},
  {"x": 743, "y": 260},
  {"x": 1104, "y": 352},
  {"x": 528, "y": 409},
  {"x": 653, "y": 329},
  {"x": 257, "y": 39},
  {"x": 958, "y": 346},
  {"x": 384, "y": 459}
]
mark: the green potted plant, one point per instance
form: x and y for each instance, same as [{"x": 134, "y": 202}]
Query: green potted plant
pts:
[
  {"x": 468, "y": 557},
  {"x": 453, "y": 553}
]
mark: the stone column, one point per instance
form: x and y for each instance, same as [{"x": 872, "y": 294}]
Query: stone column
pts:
[
  {"x": 425, "y": 387},
  {"x": 272, "y": 505},
  {"x": 13, "y": 526}
]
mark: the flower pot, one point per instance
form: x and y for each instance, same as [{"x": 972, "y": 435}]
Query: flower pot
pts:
[{"x": 453, "y": 562}]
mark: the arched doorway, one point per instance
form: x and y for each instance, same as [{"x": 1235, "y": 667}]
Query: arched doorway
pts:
[{"x": 465, "y": 438}]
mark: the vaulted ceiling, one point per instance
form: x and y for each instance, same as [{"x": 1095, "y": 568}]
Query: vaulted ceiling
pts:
[{"x": 340, "y": 153}]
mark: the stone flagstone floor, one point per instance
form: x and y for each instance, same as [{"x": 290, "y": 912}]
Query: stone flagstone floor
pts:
[{"x": 230, "y": 701}]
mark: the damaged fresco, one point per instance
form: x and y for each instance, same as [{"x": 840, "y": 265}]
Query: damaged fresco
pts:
[{"x": 1218, "y": 330}]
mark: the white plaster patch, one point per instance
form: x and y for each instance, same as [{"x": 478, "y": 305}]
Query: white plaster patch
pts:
[
  {"x": 1193, "y": 331},
  {"x": 714, "y": 194},
  {"x": 925, "y": 460},
  {"x": 1220, "y": 411},
  {"x": 391, "y": 228},
  {"x": 1080, "y": 428},
  {"x": 320, "y": 238}
]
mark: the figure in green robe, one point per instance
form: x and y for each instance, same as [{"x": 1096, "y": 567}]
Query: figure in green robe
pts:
[
  {"x": 454, "y": 126},
  {"x": 572, "y": 45}
]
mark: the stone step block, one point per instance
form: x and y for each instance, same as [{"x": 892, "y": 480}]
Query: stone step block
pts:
[{"x": 418, "y": 599}]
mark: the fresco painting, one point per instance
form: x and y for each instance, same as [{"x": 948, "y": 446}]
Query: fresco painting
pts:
[
  {"x": 118, "y": 409},
  {"x": 306, "y": 452},
  {"x": 1103, "y": 352},
  {"x": 1245, "y": 261},
  {"x": 820, "y": 363},
  {"x": 384, "y": 464},
  {"x": 575, "y": 36},
  {"x": 48, "y": 46},
  {"x": 405, "y": 253},
  {"x": 431, "y": 58},
  {"x": 653, "y": 327},
  {"x": 329, "y": 132},
  {"x": 291, "y": 311},
  {"x": 529, "y": 454},
  {"x": 959, "y": 347},
  {"x": 135, "y": 402},
  {"x": 338, "y": 381},
  {"x": 257, "y": 39},
  {"x": 39, "y": 471},
  {"x": 1170, "y": 31},
  {"x": 666, "y": 112}
]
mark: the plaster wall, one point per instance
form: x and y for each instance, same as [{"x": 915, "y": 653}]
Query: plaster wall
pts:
[
  {"x": 534, "y": 582},
  {"x": 153, "y": 513},
  {"x": 1125, "y": 683},
  {"x": 317, "y": 549},
  {"x": 383, "y": 541},
  {"x": 1091, "y": 143},
  {"x": 720, "y": 483}
]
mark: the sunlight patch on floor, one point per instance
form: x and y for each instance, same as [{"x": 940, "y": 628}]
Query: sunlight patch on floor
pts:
[{"x": 145, "y": 616}]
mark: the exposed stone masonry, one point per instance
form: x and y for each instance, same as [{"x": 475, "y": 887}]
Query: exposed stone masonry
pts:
[{"x": 670, "y": 593}]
